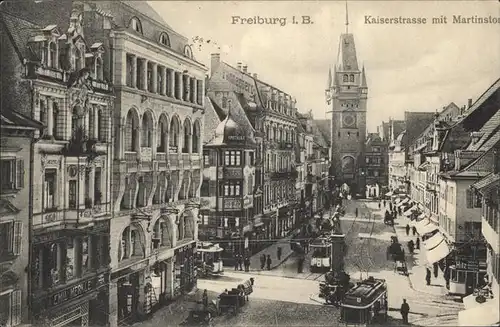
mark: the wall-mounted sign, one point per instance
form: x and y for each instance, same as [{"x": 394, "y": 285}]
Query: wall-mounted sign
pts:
[
  {"x": 78, "y": 289},
  {"x": 236, "y": 137}
]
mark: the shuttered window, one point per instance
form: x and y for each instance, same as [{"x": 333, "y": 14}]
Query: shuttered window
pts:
[
  {"x": 17, "y": 238},
  {"x": 11, "y": 237}
]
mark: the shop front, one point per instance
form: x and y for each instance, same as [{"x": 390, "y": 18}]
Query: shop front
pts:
[
  {"x": 84, "y": 303},
  {"x": 160, "y": 281}
]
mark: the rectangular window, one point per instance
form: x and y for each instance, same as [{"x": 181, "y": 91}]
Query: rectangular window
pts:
[
  {"x": 86, "y": 265},
  {"x": 12, "y": 174},
  {"x": 10, "y": 309},
  {"x": 226, "y": 190},
  {"x": 50, "y": 189},
  {"x": 469, "y": 194},
  {"x": 72, "y": 194},
  {"x": 205, "y": 191},
  {"x": 206, "y": 160}
]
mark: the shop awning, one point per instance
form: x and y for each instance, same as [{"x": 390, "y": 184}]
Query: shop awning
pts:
[
  {"x": 485, "y": 314},
  {"x": 388, "y": 193},
  {"x": 409, "y": 211},
  {"x": 403, "y": 202},
  {"x": 421, "y": 216},
  {"x": 425, "y": 226},
  {"x": 438, "y": 253},
  {"x": 434, "y": 241}
]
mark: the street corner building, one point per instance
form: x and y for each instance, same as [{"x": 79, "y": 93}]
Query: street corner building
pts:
[
  {"x": 271, "y": 113},
  {"x": 116, "y": 167},
  {"x": 54, "y": 74},
  {"x": 347, "y": 94}
]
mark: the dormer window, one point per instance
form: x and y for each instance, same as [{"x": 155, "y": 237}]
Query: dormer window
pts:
[
  {"x": 77, "y": 59},
  {"x": 52, "y": 59},
  {"x": 135, "y": 24},
  {"x": 164, "y": 39},
  {"x": 98, "y": 69}
]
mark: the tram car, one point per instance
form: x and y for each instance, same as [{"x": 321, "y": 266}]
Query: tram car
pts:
[
  {"x": 321, "y": 249},
  {"x": 365, "y": 304},
  {"x": 209, "y": 259}
]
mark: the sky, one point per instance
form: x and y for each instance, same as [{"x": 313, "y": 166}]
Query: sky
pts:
[{"x": 412, "y": 67}]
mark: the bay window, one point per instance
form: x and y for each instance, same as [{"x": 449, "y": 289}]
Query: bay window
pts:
[{"x": 232, "y": 158}]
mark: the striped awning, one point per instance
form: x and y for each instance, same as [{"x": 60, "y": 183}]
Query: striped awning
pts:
[{"x": 437, "y": 253}]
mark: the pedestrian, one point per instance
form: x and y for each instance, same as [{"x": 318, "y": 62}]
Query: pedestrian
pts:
[
  {"x": 205, "y": 299},
  {"x": 414, "y": 230},
  {"x": 379, "y": 205},
  {"x": 385, "y": 204},
  {"x": 269, "y": 261},
  {"x": 262, "y": 261},
  {"x": 240, "y": 262},
  {"x": 356, "y": 212},
  {"x": 247, "y": 264},
  {"x": 405, "y": 310},
  {"x": 436, "y": 269},
  {"x": 417, "y": 243},
  {"x": 411, "y": 246},
  {"x": 446, "y": 275},
  {"x": 300, "y": 267},
  {"x": 428, "y": 276},
  {"x": 278, "y": 253},
  {"x": 236, "y": 258},
  {"x": 407, "y": 229}
]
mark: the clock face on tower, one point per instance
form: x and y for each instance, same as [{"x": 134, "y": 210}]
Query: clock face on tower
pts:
[{"x": 348, "y": 120}]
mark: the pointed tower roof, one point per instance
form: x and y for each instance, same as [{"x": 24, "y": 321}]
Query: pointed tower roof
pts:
[
  {"x": 329, "y": 81},
  {"x": 363, "y": 77},
  {"x": 348, "y": 59}
]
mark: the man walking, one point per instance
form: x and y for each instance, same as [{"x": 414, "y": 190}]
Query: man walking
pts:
[
  {"x": 236, "y": 259},
  {"x": 278, "y": 253},
  {"x": 405, "y": 310},
  {"x": 414, "y": 230},
  {"x": 240, "y": 262},
  {"x": 262, "y": 261},
  {"x": 247, "y": 263},
  {"x": 356, "y": 212},
  {"x": 269, "y": 261},
  {"x": 407, "y": 229}
]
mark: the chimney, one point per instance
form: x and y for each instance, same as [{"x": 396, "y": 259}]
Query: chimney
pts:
[
  {"x": 214, "y": 62},
  {"x": 255, "y": 75},
  {"x": 238, "y": 65},
  {"x": 469, "y": 103},
  {"x": 245, "y": 69}
]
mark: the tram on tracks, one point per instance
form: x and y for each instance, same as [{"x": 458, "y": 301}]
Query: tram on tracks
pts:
[
  {"x": 321, "y": 248},
  {"x": 365, "y": 304},
  {"x": 209, "y": 259}
]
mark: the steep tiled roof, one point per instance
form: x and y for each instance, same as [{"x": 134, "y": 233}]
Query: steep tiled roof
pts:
[
  {"x": 10, "y": 118},
  {"x": 491, "y": 180},
  {"x": 483, "y": 109},
  {"x": 319, "y": 139},
  {"x": 324, "y": 126},
  {"x": 490, "y": 131},
  {"x": 416, "y": 123},
  {"x": 144, "y": 8},
  {"x": 211, "y": 120},
  {"x": 19, "y": 31}
]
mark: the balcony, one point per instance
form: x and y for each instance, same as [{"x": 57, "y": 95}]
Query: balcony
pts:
[
  {"x": 490, "y": 234},
  {"x": 81, "y": 146},
  {"x": 232, "y": 173},
  {"x": 285, "y": 174},
  {"x": 284, "y": 146}
]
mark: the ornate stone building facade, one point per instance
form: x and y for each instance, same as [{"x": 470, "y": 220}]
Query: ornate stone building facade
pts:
[
  {"x": 55, "y": 75},
  {"x": 157, "y": 168}
]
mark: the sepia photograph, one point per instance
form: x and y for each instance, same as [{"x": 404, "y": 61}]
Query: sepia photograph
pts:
[{"x": 249, "y": 163}]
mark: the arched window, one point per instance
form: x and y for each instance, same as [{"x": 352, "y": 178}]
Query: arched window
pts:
[
  {"x": 98, "y": 69},
  {"x": 188, "y": 52},
  {"x": 187, "y": 136},
  {"x": 136, "y": 25},
  {"x": 348, "y": 165},
  {"x": 164, "y": 39},
  {"x": 161, "y": 234},
  {"x": 131, "y": 131},
  {"x": 174, "y": 131},
  {"x": 162, "y": 134},
  {"x": 196, "y": 137},
  {"x": 345, "y": 78},
  {"x": 351, "y": 78},
  {"x": 147, "y": 129},
  {"x": 131, "y": 243},
  {"x": 52, "y": 57}
]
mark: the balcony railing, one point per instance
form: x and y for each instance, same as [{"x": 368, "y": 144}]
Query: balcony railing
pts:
[{"x": 285, "y": 174}]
